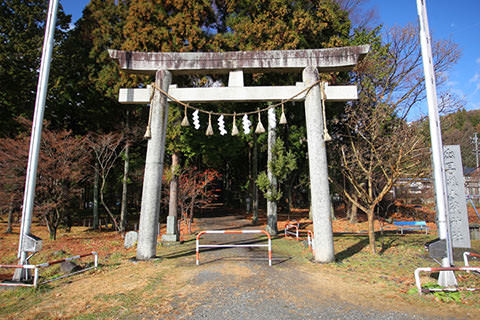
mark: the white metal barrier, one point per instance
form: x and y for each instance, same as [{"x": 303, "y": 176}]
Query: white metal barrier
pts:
[
  {"x": 36, "y": 268},
  {"x": 310, "y": 239},
  {"x": 297, "y": 234},
  {"x": 465, "y": 257},
  {"x": 269, "y": 245},
  {"x": 290, "y": 226},
  {"x": 419, "y": 285}
]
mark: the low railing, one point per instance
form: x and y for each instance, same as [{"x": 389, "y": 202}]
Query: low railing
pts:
[
  {"x": 288, "y": 232},
  {"x": 310, "y": 240},
  {"x": 419, "y": 285},
  {"x": 296, "y": 234},
  {"x": 198, "y": 245},
  {"x": 465, "y": 257},
  {"x": 36, "y": 268}
]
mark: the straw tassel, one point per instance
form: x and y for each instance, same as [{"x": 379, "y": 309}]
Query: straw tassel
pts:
[
  {"x": 148, "y": 133},
  {"x": 326, "y": 136},
  {"x": 234, "y": 127},
  {"x": 283, "y": 118},
  {"x": 260, "y": 128},
  {"x": 148, "y": 130},
  {"x": 185, "y": 122},
  {"x": 209, "y": 131}
]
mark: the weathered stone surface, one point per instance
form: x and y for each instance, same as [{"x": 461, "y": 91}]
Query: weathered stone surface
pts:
[
  {"x": 457, "y": 206},
  {"x": 152, "y": 181},
  {"x": 327, "y": 60},
  {"x": 236, "y": 94},
  {"x": 172, "y": 234},
  {"x": 317, "y": 162},
  {"x": 131, "y": 238},
  {"x": 474, "y": 231},
  {"x": 68, "y": 267}
]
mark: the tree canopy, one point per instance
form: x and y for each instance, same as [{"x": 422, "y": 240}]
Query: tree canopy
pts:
[{"x": 84, "y": 85}]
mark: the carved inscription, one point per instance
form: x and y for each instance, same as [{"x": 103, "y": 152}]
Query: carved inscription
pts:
[{"x": 457, "y": 206}]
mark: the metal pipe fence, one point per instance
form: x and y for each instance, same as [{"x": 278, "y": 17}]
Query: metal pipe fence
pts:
[
  {"x": 36, "y": 268},
  {"x": 198, "y": 245},
  {"x": 419, "y": 285}
]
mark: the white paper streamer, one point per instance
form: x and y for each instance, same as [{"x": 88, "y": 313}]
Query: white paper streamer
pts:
[
  {"x": 272, "y": 118},
  {"x": 221, "y": 126},
  {"x": 196, "y": 120},
  {"x": 246, "y": 124}
]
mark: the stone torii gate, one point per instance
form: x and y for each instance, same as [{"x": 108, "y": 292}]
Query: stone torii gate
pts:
[{"x": 310, "y": 62}]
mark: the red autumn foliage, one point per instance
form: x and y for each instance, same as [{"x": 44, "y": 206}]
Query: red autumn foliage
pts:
[
  {"x": 194, "y": 191},
  {"x": 61, "y": 168}
]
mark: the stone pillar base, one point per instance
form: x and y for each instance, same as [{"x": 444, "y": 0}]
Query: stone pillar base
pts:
[
  {"x": 172, "y": 232},
  {"x": 169, "y": 238}
]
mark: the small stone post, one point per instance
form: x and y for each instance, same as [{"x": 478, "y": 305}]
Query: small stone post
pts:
[
  {"x": 152, "y": 181},
  {"x": 317, "y": 161}
]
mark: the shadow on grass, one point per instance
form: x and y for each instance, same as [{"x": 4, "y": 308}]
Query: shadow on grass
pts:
[
  {"x": 354, "y": 249},
  {"x": 386, "y": 242}
]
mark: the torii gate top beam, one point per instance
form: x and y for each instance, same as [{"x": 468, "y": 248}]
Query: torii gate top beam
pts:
[{"x": 326, "y": 60}]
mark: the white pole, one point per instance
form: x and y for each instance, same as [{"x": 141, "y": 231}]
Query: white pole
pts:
[
  {"x": 35, "y": 139},
  {"x": 446, "y": 278}
]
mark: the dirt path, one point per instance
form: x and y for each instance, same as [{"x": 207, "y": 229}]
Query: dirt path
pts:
[{"x": 237, "y": 283}]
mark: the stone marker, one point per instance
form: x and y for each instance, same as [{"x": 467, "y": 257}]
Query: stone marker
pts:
[
  {"x": 457, "y": 205},
  {"x": 171, "y": 235},
  {"x": 131, "y": 238}
]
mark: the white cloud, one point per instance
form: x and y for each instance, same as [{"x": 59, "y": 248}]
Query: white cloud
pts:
[
  {"x": 478, "y": 60},
  {"x": 451, "y": 83},
  {"x": 475, "y": 78}
]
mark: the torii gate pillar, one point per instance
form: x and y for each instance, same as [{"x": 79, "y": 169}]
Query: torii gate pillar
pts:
[
  {"x": 152, "y": 181},
  {"x": 317, "y": 162}
]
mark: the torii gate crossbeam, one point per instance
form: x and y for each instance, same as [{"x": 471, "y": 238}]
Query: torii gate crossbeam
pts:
[{"x": 164, "y": 65}]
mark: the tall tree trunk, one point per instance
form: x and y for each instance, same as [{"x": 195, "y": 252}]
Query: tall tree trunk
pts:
[
  {"x": 109, "y": 212},
  {"x": 96, "y": 181},
  {"x": 271, "y": 204},
  {"x": 254, "y": 175},
  {"x": 126, "y": 170},
  {"x": 10, "y": 216},
  {"x": 289, "y": 191},
  {"x": 353, "y": 210},
  {"x": 371, "y": 229}
]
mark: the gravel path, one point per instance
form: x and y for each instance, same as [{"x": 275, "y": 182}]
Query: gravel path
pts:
[{"x": 237, "y": 283}]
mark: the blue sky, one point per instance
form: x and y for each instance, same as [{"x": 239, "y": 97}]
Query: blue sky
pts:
[{"x": 456, "y": 20}]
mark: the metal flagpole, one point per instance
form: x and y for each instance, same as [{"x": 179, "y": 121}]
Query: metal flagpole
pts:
[
  {"x": 36, "y": 136},
  {"x": 447, "y": 278}
]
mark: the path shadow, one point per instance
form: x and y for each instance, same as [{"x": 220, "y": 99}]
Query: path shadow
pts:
[
  {"x": 232, "y": 228},
  {"x": 193, "y": 251},
  {"x": 275, "y": 260}
]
